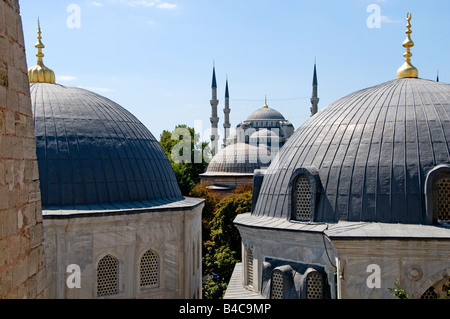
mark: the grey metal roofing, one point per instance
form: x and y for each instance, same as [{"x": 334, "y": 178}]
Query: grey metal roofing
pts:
[
  {"x": 372, "y": 150},
  {"x": 91, "y": 150},
  {"x": 239, "y": 158},
  {"x": 121, "y": 208},
  {"x": 346, "y": 229},
  {"x": 266, "y": 114}
]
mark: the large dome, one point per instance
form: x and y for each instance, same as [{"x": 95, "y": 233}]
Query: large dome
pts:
[
  {"x": 266, "y": 114},
  {"x": 371, "y": 152},
  {"x": 90, "y": 150}
]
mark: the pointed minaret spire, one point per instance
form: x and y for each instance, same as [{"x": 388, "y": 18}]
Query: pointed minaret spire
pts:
[
  {"x": 226, "y": 111},
  {"x": 214, "y": 118},
  {"x": 315, "y": 99},
  {"x": 40, "y": 73},
  {"x": 214, "y": 81}
]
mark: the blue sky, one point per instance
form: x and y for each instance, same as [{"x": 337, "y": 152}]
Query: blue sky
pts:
[{"x": 155, "y": 57}]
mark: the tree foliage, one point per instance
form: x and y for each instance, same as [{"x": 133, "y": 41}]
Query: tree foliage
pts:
[
  {"x": 223, "y": 250},
  {"x": 188, "y": 155},
  {"x": 212, "y": 199}
]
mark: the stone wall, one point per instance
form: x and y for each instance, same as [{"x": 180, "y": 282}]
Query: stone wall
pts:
[{"x": 22, "y": 263}]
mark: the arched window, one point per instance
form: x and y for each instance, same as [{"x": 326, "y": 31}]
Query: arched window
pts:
[
  {"x": 149, "y": 270},
  {"x": 430, "y": 294},
  {"x": 443, "y": 198},
  {"x": 304, "y": 186},
  {"x": 437, "y": 192},
  {"x": 250, "y": 267},
  {"x": 302, "y": 200},
  {"x": 314, "y": 286},
  {"x": 107, "y": 276},
  {"x": 277, "y": 285}
]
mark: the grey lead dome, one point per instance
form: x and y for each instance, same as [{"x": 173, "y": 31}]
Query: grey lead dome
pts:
[
  {"x": 91, "y": 150},
  {"x": 266, "y": 114},
  {"x": 372, "y": 151}
]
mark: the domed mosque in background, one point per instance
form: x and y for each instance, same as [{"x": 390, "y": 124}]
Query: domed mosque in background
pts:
[
  {"x": 111, "y": 203},
  {"x": 252, "y": 146},
  {"x": 358, "y": 198}
]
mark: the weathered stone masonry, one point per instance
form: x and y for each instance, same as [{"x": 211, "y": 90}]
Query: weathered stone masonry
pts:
[{"x": 22, "y": 264}]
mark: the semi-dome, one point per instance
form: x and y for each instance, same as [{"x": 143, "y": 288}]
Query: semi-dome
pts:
[
  {"x": 91, "y": 150},
  {"x": 368, "y": 155},
  {"x": 239, "y": 158}
]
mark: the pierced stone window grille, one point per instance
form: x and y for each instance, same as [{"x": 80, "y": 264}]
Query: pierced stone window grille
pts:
[
  {"x": 303, "y": 198},
  {"x": 107, "y": 276},
  {"x": 250, "y": 267},
  {"x": 149, "y": 270},
  {"x": 430, "y": 294},
  {"x": 314, "y": 286},
  {"x": 443, "y": 198},
  {"x": 277, "y": 285}
]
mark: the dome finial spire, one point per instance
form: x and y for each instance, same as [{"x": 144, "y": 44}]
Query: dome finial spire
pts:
[
  {"x": 40, "y": 73},
  {"x": 407, "y": 70},
  {"x": 265, "y": 104}
]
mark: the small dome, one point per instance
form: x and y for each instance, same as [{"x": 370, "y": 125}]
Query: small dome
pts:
[
  {"x": 266, "y": 114},
  {"x": 91, "y": 150},
  {"x": 239, "y": 158},
  {"x": 371, "y": 151},
  {"x": 264, "y": 133}
]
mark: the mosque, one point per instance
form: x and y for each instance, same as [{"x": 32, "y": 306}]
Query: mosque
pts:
[
  {"x": 252, "y": 146},
  {"x": 357, "y": 200},
  {"x": 111, "y": 206}
]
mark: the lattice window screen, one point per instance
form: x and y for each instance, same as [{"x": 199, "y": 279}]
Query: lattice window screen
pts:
[
  {"x": 429, "y": 294},
  {"x": 277, "y": 286},
  {"x": 149, "y": 270},
  {"x": 303, "y": 198},
  {"x": 107, "y": 276},
  {"x": 443, "y": 201},
  {"x": 250, "y": 267},
  {"x": 314, "y": 288}
]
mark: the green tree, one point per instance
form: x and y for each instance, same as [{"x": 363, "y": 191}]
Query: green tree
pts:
[
  {"x": 212, "y": 199},
  {"x": 188, "y": 155},
  {"x": 224, "y": 247}
]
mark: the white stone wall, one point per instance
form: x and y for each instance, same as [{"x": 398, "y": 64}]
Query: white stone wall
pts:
[
  {"x": 85, "y": 240},
  {"x": 291, "y": 246},
  {"x": 22, "y": 267},
  {"x": 417, "y": 264},
  {"x": 365, "y": 268}
]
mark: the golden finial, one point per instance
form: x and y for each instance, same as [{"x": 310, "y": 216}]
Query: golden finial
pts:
[
  {"x": 407, "y": 70},
  {"x": 40, "y": 73},
  {"x": 265, "y": 104}
]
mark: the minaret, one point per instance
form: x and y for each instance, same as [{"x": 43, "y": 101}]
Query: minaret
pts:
[
  {"x": 226, "y": 111},
  {"x": 214, "y": 118},
  {"x": 40, "y": 73},
  {"x": 314, "y": 98}
]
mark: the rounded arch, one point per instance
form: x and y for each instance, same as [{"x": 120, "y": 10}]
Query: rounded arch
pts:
[
  {"x": 439, "y": 173},
  {"x": 430, "y": 282},
  {"x": 304, "y": 188}
]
